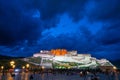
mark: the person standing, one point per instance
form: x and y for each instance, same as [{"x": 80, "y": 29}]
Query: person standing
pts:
[{"x": 31, "y": 77}]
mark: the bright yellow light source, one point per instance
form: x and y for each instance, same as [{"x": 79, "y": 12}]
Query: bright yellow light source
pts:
[
  {"x": 23, "y": 67},
  {"x": 12, "y": 63},
  {"x": 13, "y": 66},
  {"x": 114, "y": 67},
  {"x": 27, "y": 65},
  {"x": 2, "y": 67},
  {"x": 43, "y": 67}
]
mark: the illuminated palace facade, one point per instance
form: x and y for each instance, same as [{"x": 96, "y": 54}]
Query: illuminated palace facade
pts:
[{"x": 69, "y": 59}]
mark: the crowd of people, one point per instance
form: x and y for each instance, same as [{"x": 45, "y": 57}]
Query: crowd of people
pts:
[{"x": 64, "y": 74}]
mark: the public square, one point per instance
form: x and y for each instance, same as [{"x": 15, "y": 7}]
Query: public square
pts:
[{"x": 58, "y": 76}]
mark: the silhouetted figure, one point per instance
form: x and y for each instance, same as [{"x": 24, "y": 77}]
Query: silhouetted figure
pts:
[{"x": 31, "y": 77}]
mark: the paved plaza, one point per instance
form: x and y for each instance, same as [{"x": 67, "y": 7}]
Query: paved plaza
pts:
[{"x": 57, "y": 76}]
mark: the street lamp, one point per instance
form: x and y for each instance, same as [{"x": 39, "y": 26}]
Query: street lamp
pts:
[
  {"x": 12, "y": 63},
  {"x": 116, "y": 75},
  {"x": 23, "y": 67},
  {"x": 13, "y": 66},
  {"x": 27, "y": 65},
  {"x": 43, "y": 67},
  {"x": 2, "y": 67},
  {"x": 114, "y": 68}
]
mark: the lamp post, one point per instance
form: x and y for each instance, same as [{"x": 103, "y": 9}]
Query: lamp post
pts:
[
  {"x": 13, "y": 66},
  {"x": 114, "y": 68},
  {"x": 23, "y": 67},
  {"x": 12, "y": 63},
  {"x": 2, "y": 67},
  {"x": 116, "y": 75},
  {"x": 43, "y": 67},
  {"x": 27, "y": 65}
]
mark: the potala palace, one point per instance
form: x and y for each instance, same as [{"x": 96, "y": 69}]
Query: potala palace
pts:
[{"x": 61, "y": 58}]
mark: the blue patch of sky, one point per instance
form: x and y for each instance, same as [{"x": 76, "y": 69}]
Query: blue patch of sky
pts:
[{"x": 66, "y": 25}]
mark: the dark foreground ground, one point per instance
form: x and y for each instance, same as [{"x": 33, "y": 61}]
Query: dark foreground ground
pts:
[{"x": 60, "y": 75}]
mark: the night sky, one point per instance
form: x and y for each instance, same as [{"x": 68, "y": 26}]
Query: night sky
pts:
[{"x": 88, "y": 26}]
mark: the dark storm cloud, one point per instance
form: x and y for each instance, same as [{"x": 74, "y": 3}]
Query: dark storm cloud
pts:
[
  {"x": 17, "y": 23},
  {"x": 15, "y": 26},
  {"x": 109, "y": 35},
  {"x": 109, "y": 40},
  {"x": 110, "y": 51},
  {"x": 82, "y": 40},
  {"x": 104, "y": 10},
  {"x": 104, "y": 43},
  {"x": 22, "y": 23},
  {"x": 51, "y": 8},
  {"x": 22, "y": 20}
]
